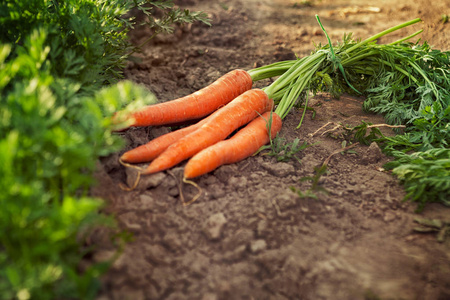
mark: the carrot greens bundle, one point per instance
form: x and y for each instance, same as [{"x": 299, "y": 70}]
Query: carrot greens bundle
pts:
[{"x": 409, "y": 83}]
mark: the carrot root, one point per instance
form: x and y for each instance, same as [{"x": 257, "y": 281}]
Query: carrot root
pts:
[
  {"x": 196, "y": 196},
  {"x": 243, "y": 144},
  {"x": 138, "y": 177},
  {"x": 196, "y": 105}
]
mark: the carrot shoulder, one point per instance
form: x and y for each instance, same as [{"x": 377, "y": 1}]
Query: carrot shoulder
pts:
[
  {"x": 222, "y": 123},
  {"x": 240, "y": 146},
  {"x": 196, "y": 105}
]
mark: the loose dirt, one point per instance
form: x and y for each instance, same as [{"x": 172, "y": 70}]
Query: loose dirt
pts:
[{"x": 250, "y": 236}]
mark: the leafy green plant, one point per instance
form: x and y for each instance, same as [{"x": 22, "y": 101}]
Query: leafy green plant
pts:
[
  {"x": 282, "y": 150},
  {"x": 359, "y": 133},
  {"x": 50, "y": 138},
  {"x": 58, "y": 60},
  {"x": 426, "y": 175},
  {"x": 167, "y": 17},
  {"x": 315, "y": 186},
  {"x": 422, "y": 155},
  {"x": 440, "y": 227}
]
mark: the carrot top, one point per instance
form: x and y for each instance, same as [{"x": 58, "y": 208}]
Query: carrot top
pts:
[{"x": 325, "y": 69}]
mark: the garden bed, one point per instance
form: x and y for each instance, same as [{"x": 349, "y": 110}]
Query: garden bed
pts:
[{"x": 250, "y": 236}]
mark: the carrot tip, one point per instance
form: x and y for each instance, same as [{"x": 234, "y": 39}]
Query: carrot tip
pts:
[
  {"x": 200, "y": 191},
  {"x": 127, "y": 165}
]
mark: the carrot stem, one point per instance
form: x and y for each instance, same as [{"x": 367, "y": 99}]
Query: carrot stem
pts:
[
  {"x": 382, "y": 33},
  {"x": 296, "y": 75}
]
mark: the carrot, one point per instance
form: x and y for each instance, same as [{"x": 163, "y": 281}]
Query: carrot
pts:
[
  {"x": 243, "y": 144},
  {"x": 222, "y": 123},
  {"x": 155, "y": 147},
  {"x": 196, "y": 105}
]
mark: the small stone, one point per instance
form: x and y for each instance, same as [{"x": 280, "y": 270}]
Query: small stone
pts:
[
  {"x": 286, "y": 201},
  {"x": 217, "y": 192},
  {"x": 238, "y": 182},
  {"x": 156, "y": 254},
  {"x": 173, "y": 191},
  {"x": 209, "y": 296},
  {"x": 173, "y": 242},
  {"x": 258, "y": 246},
  {"x": 213, "y": 74},
  {"x": 210, "y": 180},
  {"x": 103, "y": 255},
  {"x": 191, "y": 80},
  {"x": 279, "y": 169},
  {"x": 129, "y": 219},
  {"x": 388, "y": 217},
  {"x": 233, "y": 255},
  {"x": 373, "y": 154},
  {"x": 214, "y": 225},
  {"x": 225, "y": 172},
  {"x": 317, "y": 32},
  {"x": 304, "y": 209},
  {"x": 261, "y": 228},
  {"x": 241, "y": 237},
  {"x": 146, "y": 202}
]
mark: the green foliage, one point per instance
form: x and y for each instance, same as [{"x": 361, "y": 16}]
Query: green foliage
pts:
[
  {"x": 440, "y": 227},
  {"x": 284, "y": 151},
  {"x": 410, "y": 78},
  {"x": 315, "y": 186},
  {"x": 426, "y": 175},
  {"x": 87, "y": 38},
  {"x": 280, "y": 148},
  {"x": 409, "y": 84},
  {"x": 50, "y": 138},
  {"x": 426, "y": 171},
  {"x": 359, "y": 133},
  {"x": 57, "y": 59},
  {"x": 170, "y": 15}
]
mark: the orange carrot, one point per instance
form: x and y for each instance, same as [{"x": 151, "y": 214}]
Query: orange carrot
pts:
[
  {"x": 240, "y": 146},
  {"x": 197, "y": 105},
  {"x": 155, "y": 147},
  {"x": 222, "y": 123}
]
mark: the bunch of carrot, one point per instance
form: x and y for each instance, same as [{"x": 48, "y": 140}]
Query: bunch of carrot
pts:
[{"x": 230, "y": 102}]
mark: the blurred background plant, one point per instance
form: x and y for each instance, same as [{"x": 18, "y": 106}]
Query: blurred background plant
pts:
[{"x": 61, "y": 67}]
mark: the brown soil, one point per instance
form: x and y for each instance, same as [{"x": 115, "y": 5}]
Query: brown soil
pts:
[{"x": 249, "y": 236}]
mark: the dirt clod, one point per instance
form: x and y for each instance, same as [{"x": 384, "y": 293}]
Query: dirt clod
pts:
[
  {"x": 372, "y": 155},
  {"x": 214, "y": 225},
  {"x": 258, "y": 246}
]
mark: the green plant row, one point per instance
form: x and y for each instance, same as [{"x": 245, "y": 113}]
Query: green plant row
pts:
[{"x": 60, "y": 62}]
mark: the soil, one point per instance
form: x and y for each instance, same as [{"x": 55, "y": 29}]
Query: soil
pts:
[{"x": 250, "y": 235}]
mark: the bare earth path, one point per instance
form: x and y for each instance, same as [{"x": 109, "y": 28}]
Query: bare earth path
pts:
[{"x": 250, "y": 236}]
